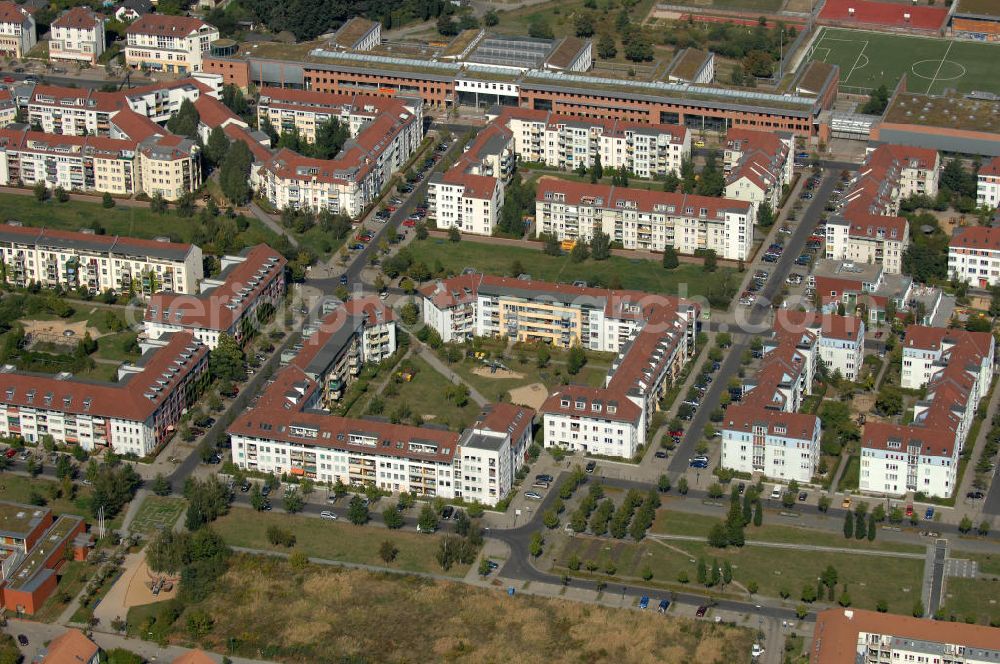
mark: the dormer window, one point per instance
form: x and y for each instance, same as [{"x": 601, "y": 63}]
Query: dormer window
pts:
[
  {"x": 564, "y": 403},
  {"x": 581, "y": 405},
  {"x": 596, "y": 407}
]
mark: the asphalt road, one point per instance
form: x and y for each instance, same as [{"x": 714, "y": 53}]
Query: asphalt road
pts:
[
  {"x": 73, "y": 81},
  {"x": 756, "y": 322}
]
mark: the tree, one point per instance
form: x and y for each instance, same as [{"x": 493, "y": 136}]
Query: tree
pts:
[
  {"x": 330, "y": 139},
  {"x": 107, "y": 202},
  {"x": 388, "y": 551},
  {"x": 537, "y": 540},
  {"x": 185, "y": 121},
  {"x": 357, "y": 511},
  {"x": 670, "y": 261},
  {"x": 428, "y": 519},
  {"x": 727, "y": 573},
  {"x": 848, "y": 525},
  {"x": 234, "y": 173},
  {"x": 226, "y": 361},
  {"x": 392, "y": 517},
  {"x": 765, "y": 215},
  {"x": 606, "y": 48},
  {"x": 918, "y": 609},
  {"x": 217, "y": 146},
  {"x": 294, "y": 502},
  {"x": 580, "y": 251},
  {"x": 808, "y": 593},
  {"x": 889, "y": 401},
  {"x": 663, "y": 484},
  {"x": 257, "y": 499},
  {"x": 539, "y": 28},
  {"x": 965, "y": 525},
  {"x": 584, "y": 24},
  {"x": 682, "y": 486},
  {"x": 718, "y": 537},
  {"x": 877, "y": 102},
  {"x": 542, "y": 356},
  {"x": 711, "y": 261},
  {"x": 576, "y": 359},
  {"x": 702, "y": 572},
  {"x": 161, "y": 485},
  {"x": 41, "y": 191},
  {"x": 638, "y": 48},
  {"x": 491, "y": 18},
  {"x": 597, "y": 170},
  {"x": 600, "y": 246},
  {"x": 871, "y": 527}
]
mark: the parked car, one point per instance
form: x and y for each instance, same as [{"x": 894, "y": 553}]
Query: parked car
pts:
[
  {"x": 533, "y": 495},
  {"x": 22, "y": 639},
  {"x": 661, "y": 454},
  {"x": 664, "y": 605},
  {"x": 909, "y": 509},
  {"x": 644, "y": 602},
  {"x": 802, "y": 496},
  {"x": 757, "y": 650},
  {"x": 776, "y": 492},
  {"x": 447, "y": 512},
  {"x": 409, "y": 223},
  {"x": 846, "y": 504},
  {"x": 702, "y": 610},
  {"x": 343, "y": 280},
  {"x": 326, "y": 514},
  {"x": 975, "y": 495},
  {"x": 929, "y": 514},
  {"x": 591, "y": 466},
  {"x": 543, "y": 478},
  {"x": 10, "y": 453}
]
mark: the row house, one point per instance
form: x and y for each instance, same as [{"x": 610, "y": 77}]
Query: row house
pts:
[
  {"x": 988, "y": 184},
  {"x": 133, "y": 416},
  {"x": 350, "y": 335},
  {"x": 18, "y": 33},
  {"x": 922, "y": 457},
  {"x": 974, "y": 256},
  {"x": 168, "y": 44},
  {"x": 285, "y": 434},
  {"x": 562, "y": 141},
  {"x": 856, "y": 636},
  {"x": 77, "y": 36},
  {"x": 304, "y": 111},
  {"x": 758, "y": 166},
  {"x": 228, "y": 303},
  {"x": 98, "y": 263},
  {"x": 644, "y": 220}
]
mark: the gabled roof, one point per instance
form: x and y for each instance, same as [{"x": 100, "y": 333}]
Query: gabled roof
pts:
[
  {"x": 79, "y": 18},
  {"x": 163, "y": 25},
  {"x": 976, "y": 237},
  {"x": 69, "y": 647},
  {"x": 12, "y": 13},
  {"x": 745, "y": 418},
  {"x": 602, "y": 196},
  {"x": 592, "y": 402}
]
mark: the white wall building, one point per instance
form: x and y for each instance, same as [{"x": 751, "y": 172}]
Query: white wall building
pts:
[
  {"x": 77, "y": 35},
  {"x": 842, "y": 344},
  {"x": 865, "y": 238},
  {"x": 98, "y": 263},
  {"x": 17, "y": 30},
  {"x": 782, "y": 446},
  {"x": 758, "y": 165},
  {"x": 988, "y": 185},
  {"x": 471, "y": 203},
  {"x": 974, "y": 256},
  {"x": 644, "y": 220},
  {"x": 170, "y": 44}
]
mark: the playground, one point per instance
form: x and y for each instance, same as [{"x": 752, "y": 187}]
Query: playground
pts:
[
  {"x": 932, "y": 66},
  {"x": 137, "y": 585}
]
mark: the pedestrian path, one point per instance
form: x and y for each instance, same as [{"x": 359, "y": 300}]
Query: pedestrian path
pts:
[{"x": 800, "y": 547}]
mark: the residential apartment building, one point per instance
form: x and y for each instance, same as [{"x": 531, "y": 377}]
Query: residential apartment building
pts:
[
  {"x": 974, "y": 255},
  {"x": 867, "y": 238},
  {"x": 463, "y": 200},
  {"x": 132, "y": 416},
  {"x": 645, "y": 220},
  {"x": 77, "y": 36},
  {"x": 169, "y": 44},
  {"x": 351, "y": 180},
  {"x": 779, "y": 444},
  {"x": 98, "y": 263},
  {"x": 653, "y": 337},
  {"x": 923, "y": 456},
  {"x": 563, "y": 141},
  {"x": 855, "y": 636},
  {"x": 284, "y": 434},
  {"x": 306, "y": 111},
  {"x": 17, "y": 30},
  {"x": 840, "y": 340},
  {"x": 350, "y": 335},
  {"x": 228, "y": 303},
  {"x": 169, "y": 166},
  {"x": 988, "y": 184},
  {"x": 758, "y": 165}
]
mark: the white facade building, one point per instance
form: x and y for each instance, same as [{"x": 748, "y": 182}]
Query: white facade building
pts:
[
  {"x": 758, "y": 165},
  {"x": 98, "y": 263},
  {"x": 77, "y": 35},
  {"x": 644, "y": 220},
  {"x": 974, "y": 256},
  {"x": 170, "y": 44},
  {"x": 782, "y": 446},
  {"x": 17, "y": 30},
  {"x": 471, "y": 203},
  {"x": 988, "y": 185},
  {"x": 865, "y": 238}
]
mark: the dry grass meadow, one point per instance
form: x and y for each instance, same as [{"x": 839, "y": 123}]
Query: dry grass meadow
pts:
[{"x": 326, "y": 614}]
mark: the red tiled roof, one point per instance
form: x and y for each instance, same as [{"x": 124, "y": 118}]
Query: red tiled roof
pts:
[
  {"x": 194, "y": 657},
  {"x": 163, "y": 25},
  {"x": 474, "y": 186},
  {"x": 608, "y": 126},
  {"x": 932, "y": 441},
  {"x": 213, "y": 113},
  {"x": 12, "y": 13},
  {"x": 506, "y": 417},
  {"x": 976, "y": 237},
  {"x": 79, "y": 18},
  {"x": 609, "y": 197},
  {"x": 70, "y": 646},
  {"x": 741, "y": 417},
  {"x": 992, "y": 167},
  {"x": 137, "y": 127},
  {"x": 625, "y": 409}
]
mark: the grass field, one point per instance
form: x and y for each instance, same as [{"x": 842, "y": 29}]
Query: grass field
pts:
[
  {"x": 638, "y": 274},
  {"x": 868, "y": 578},
  {"x": 334, "y": 540},
  {"x": 869, "y": 59},
  {"x": 685, "y": 523},
  {"x": 264, "y": 609},
  {"x": 491, "y": 386},
  {"x": 972, "y": 600},
  {"x": 157, "y": 513}
]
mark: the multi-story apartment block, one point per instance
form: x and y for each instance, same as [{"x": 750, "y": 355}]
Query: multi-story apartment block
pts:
[
  {"x": 974, "y": 256},
  {"x": 77, "y": 36},
  {"x": 350, "y": 335},
  {"x": 569, "y": 142},
  {"x": 855, "y": 636},
  {"x": 653, "y": 337},
  {"x": 284, "y": 434},
  {"x": 169, "y": 166},
  {"x": 762, "y": 430},
  {"x": 868, "y": 238},
  {"x": 132, "y": 416},
  {"x": 841, "y": 340},
  {"x": 228, "y": 303},
  {"x": 98, "y": 263},
  {"x": 988, "y": 184},
  {"x": 351, "y": 180},
  {"x": 758, "y": 165},
  {"x": 460, "y": 199},
  {"x": 923, "y": 456},
  {"x": 305, "y": 111},
  {"x": 171, "y": 44},
  {"x": 646, "y": 220},
  {"x": 779, "y": 444},
  {"x": 17, "y": 30}
]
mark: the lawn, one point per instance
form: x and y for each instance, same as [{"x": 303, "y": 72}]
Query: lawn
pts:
[
  {"x": 869, "y": 578},
  {"x": 735, "y": 5},
  {"x": 972, "y": 599},
  {"x": 334, "y": 540},
  {"x": 117, "y": 347},
  {"x": 266, "y": 610},
  {"x": 869, "y": 59},
  {"x": 138, "y": 222},
  {"x": 561, "y": 16},
  {"x": 685, "y": 523},
  {"x": 635, "y": 273},
  {"x": 851, "y": 476},
  {"x": 423, "y": 397},
  {"x": 157, "y": 513}
]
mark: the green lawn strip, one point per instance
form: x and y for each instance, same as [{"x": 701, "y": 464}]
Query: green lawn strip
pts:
[
  {"x": 851, "y": 476},
  {"x": 113, "y": 347},
  {"x": 972, "y": 599},
  {"x": 649, "y": 277},
  {"x": 698, "y": 525},
  {"x": 157, "y": 513},
  {"x": 869, "y": 578},
  {"x": 71, "y": 582},
  {"x": 101, "y": 371},
  {"x": 989, "y": 563},
  {"x": 334, "y": 540}
]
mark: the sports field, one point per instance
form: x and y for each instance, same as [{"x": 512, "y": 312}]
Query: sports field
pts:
[{"x": 869, "y": 59}]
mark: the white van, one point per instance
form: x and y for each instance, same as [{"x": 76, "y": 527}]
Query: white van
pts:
[{"x": 776, "y": 492}]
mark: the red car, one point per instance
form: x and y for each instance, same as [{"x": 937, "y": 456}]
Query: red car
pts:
[
  {"x": 8, "y": 79},
  {"x": 909, "y": 509},
  {"x": 10, "y": 453},
  {"x": 409, "y": 223}
]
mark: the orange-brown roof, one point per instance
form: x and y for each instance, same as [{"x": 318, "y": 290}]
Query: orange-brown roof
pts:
[
  {"x": 71, "y": 646},
  {"x": 79, "y": 18},
  {"x": 581, "y": 402},
  {"x": 13, "y": 13},
  {"x": 163, "y": 25},
  {"x": 976, "y": 237},
  {"x": 194, "y": 657},
  {"x": 213, "y": 113},
  {"x": 741, "y": 417},
  {"x": 611, "y": 197}
]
